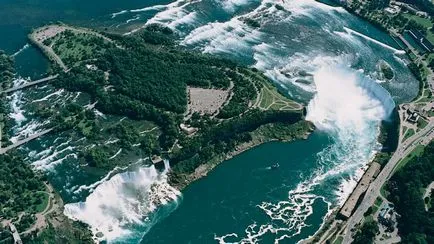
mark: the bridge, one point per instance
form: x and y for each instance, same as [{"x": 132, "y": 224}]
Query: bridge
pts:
[
  {"x": 28, "y": 84},
  {"x": 21, "y": 142}
]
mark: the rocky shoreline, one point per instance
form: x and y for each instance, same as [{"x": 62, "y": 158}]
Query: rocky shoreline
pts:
[{"x": 257, "y": 140}]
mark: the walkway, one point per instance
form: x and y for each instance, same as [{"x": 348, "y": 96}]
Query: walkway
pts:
[
  {"x": 19, "y": 143},
  {"x": 28, "y": 84},
  {"x": 423, "y": 136}
]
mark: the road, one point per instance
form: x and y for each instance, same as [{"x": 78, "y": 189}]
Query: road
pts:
[
  {"x": 423, "y": 136},
  {"x": 19, "y": 143},
  {"x": 28, "y": 84}
]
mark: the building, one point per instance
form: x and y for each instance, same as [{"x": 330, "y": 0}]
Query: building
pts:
[
  {"x": 393, "y": 10},
  {"x": 413, "y": 116},
  {"x": 386, "y": 218},
  {"x": 188, "y": 130}
]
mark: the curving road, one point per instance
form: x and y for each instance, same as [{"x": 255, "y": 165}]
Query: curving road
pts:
[{"x": 422, "y": 137}]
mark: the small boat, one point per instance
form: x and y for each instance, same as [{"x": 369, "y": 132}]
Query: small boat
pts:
[{"x": 275, "y": 166}]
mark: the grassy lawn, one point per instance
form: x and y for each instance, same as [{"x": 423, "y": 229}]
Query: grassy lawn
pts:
[
  {"x": 41, "y": 207},
  {"x": 420, "y": 20},
  {"x": 378, "y": 201},
  {"x": 384, "y": 193},
  {"x": 270, "y": 98},
  {"x": 421, "y": 123},
  {"x": 408, "y": 134},
  {"x": 424, "y": 22},
  {"x": 431, "y": 55},
  {"x": 412, "y": 56},
  {"x": 377, "y": 204},
  {"x": 375, "y": 209},
  {"x": 266, "y": 97},
  {"x": 430, "y": 36},
  {"x": 416, "y": 152},
  {"x": 368, "y": 218},
  {"x": 339, "y": 240},
  {"x": 73, "y": 47}
]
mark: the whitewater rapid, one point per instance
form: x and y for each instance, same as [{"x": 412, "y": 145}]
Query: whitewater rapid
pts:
[
  {"x": 349, "y": 107},
  {"x": 314, "y": 52},
  {"x": 124, "y": 201}
]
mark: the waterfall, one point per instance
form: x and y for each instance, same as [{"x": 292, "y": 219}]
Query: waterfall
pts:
[{"x": 124, "y": 200}]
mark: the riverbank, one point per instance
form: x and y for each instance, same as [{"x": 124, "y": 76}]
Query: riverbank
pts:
[
  {"x": 259, "y": 137},
  {"x": 334, "y": 228}
]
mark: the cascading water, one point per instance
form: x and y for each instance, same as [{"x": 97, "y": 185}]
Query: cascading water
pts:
[
  {"x": 123, "y": 201},
  {"x": 300, "y": 48},
  {"x": 349, "y": 107}
]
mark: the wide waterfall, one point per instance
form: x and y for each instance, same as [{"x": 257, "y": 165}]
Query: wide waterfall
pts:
[{"x": 126, "y": 199}]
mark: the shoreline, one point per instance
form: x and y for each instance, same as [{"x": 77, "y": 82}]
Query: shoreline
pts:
[
  {"x": 203, "y": 170},
  {"x": 333, "y": 225}
]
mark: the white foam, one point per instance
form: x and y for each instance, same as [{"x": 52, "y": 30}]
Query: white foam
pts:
[
  {"x": 349, "y": 107},
  {"x": 229, "y": 37},
  {"x": 27, "y": 130},
  {"x": 155, "y": 7},
  {"x": 116, "y": 154},
  {"x": 123, "y": 200},
  {"x": 133, "y": 19},
  {"x": 56, "y": 93},
  {"x": 49, "y": 162},
  {"x": 119, "y": 13},
  {"x": 175, "y": 14},
  {"x": 232, "y": 5},
  {"x": 111, "y": 141},
  {"x": 92, "y": 186},
  {"x": 16, "y": 102}
]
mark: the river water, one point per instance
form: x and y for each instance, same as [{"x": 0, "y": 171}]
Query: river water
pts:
[{"x": 319, "y": 55}]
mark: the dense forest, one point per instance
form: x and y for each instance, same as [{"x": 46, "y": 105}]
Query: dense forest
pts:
[
  {"x": 224, "y": 137},
  {"x": 7, "y": 72},
  {"x": 147, "y": 79},
  {"x": 70, "y": 232},
  {"x": 19, "y": 186},
  {"x": 424, "y": 5},
  {"x": 148, "y": 69},
  {"x": 406, "y": 187},
  {"x": 367, "y": 233}
]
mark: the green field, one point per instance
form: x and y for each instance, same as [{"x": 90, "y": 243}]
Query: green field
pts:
[
  {"x": 45, "y": 199},
  {"x": 424, "y": 22},
  {"x": 421, "y": 123},
  {"x": 271, "y": 99},
  {"x": 339, "y": 240},
  {"x": 420, "y": 20},
  {"x": 416, "y": 152},
  {"x": 82, "y": 47},
  {"x": 408, "y": 134}
]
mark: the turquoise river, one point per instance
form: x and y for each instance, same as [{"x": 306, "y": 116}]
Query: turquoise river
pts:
[{"x": 319, "y": 55}]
